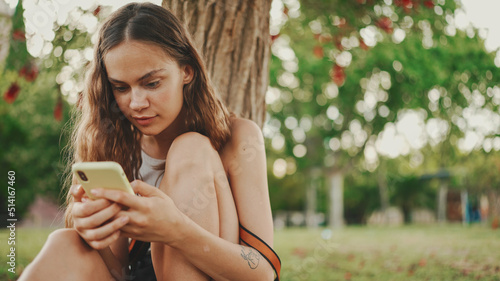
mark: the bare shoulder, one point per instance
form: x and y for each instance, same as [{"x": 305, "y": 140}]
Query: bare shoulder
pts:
[
  {"x": 246, "y": 139},
  {"x": 242, "y": 129}
]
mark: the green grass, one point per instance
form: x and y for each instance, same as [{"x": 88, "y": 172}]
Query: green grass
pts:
[
  {"x": 450, "y": 252},
  {"x": 29, "y": 242}
]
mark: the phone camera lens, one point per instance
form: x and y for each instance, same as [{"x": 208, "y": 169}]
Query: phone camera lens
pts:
[{"x": 82, "y": 176}]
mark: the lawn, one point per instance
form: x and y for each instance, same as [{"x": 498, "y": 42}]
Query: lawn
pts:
[{"x": 450, "y": 252}]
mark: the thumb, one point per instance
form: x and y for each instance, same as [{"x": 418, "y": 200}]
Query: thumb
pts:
[
  {"x": 144, "y": 189},
  {"x": 77, "y": 191}
]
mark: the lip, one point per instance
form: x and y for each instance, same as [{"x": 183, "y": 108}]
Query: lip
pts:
[{"x": 144, "y": 120}]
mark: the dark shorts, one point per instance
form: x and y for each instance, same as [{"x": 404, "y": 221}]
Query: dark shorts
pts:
[{"x": 143, "y": 270}]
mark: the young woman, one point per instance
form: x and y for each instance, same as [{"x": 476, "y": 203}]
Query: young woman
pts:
[{"x": 200, "y": 173}]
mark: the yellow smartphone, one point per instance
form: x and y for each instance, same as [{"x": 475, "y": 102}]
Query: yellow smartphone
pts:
[{"x": 103, "y": 174}]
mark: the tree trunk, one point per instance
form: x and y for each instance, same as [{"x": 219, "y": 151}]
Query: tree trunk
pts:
[
  {"x": 494, "y": 203},
  {"x": 233, "y": 37},
  {"x": 441, "y": 201},
  {"x": 383, "y": 188},
  {"x": 464, "y": 199},
  {"x": 311, "y": 198},
  {"x": 336, "y": 218}
]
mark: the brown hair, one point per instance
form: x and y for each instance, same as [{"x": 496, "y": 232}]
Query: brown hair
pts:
[{"x": 102, "y": 132}]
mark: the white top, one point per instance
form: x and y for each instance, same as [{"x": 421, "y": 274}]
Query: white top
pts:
[{"x": 147, "y": 172}]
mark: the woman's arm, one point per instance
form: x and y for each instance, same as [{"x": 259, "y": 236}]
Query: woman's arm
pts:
[
  {"x": 245, "y": 161},
  {"x": 223, "y": 260},
  {"x": 116, "y": 257},
  {"x": 155, "y": 217},
  {"x": 87, "y": 218}
]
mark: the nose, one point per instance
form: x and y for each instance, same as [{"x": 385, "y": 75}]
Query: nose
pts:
[{"x": 138, "y": 100}]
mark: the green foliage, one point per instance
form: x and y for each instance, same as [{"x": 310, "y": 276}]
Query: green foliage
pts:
[
  {"x": 411, "y": 192},
  {"x": 32, "y": 131},
  {"x": 361, "y": 197},
  {"x": 18, "y": 54},
  {"x": 400, "y": 70},
  {"x": 31, "y": 141}
]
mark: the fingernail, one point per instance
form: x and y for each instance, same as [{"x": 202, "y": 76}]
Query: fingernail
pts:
[
  {"x": 124, "y": 219},
  {"x": 84, "y": 199},
  {"x": 94, "y": 192}
]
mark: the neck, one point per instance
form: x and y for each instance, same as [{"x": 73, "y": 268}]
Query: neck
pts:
[{"x": 157, "y": 146}]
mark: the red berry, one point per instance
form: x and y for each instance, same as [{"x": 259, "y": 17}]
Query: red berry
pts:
[
  {"x": 32, "y": 74},
  {"x": 29, "y": 72},
  {"x": 23, "y": 71},
  {"x": 429, "y": 4},
  {"x": 96, "y": 11},
  {"x": 18, "y": 35},
  {"x": 338, "y": 75},
  {"x": 11, "y": 94},
  {"x": 58, "y": 110},
  {"x": 318, "y": 52},
  {"x": 385, "y": 24}
]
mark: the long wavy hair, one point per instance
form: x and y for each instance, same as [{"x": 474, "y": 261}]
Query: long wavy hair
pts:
[{"x": 102, "y": 132}]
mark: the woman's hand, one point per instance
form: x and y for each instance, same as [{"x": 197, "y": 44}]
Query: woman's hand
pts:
[
  {"x": 152, "y": 216},
  {"x": 96, "y": 220}
]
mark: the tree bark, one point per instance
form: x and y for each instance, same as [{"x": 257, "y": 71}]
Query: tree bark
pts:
[
  {"x": 441, "y": 201},
  {"x": 233, "y": 37},
  {"x": 311, "y": 198},
  {"x": 336, "y": 218},
  {"x": 383, "y": 190}
]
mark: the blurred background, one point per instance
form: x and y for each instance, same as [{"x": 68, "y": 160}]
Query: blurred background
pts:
[{"x": 379, "y": 113}]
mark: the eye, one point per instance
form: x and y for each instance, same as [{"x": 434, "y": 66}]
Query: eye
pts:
[
  {"x": 120, "y": 89},
  {"x": 153, "y": 85}
]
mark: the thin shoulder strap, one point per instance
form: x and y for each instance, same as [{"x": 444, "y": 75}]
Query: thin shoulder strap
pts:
[{"x": 252, "y": 240}]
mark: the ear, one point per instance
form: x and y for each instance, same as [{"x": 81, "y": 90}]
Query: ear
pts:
[{"x": 188, "y": 74}]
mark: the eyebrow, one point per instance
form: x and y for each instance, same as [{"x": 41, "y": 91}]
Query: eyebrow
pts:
[{"x": 144, "y": 77}]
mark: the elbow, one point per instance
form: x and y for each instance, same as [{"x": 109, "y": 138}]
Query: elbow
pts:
[{"x": 267, "y": 274}]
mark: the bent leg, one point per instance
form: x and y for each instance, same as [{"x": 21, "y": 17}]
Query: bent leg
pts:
[
  {"x": 196, "y": 181},
  {"x": 65, "y": 256}
]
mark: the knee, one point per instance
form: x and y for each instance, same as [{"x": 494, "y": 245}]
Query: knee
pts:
[
  {"x": 64, "y": 235},
  {"x": 192, "y": 143},
  {"x": 190, "y": 149},
  {"x": 65, "y": 238}
]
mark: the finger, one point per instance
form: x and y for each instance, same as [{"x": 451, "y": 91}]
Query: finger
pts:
[
  {"x": 90, "y": 207},
  {"x": 97, "y": 218},
  {"x": 77, "y": 192},
  {"x": 101, "y": 244},
  {"x": 135, "y": 221},
  {"x": 144, "y": 189},
  {"x": 103, "y": 235},
  {"x": 117, "y": 196}
]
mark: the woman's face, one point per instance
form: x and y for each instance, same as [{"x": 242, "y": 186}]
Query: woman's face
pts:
[{"x": 147, "y": 84}]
